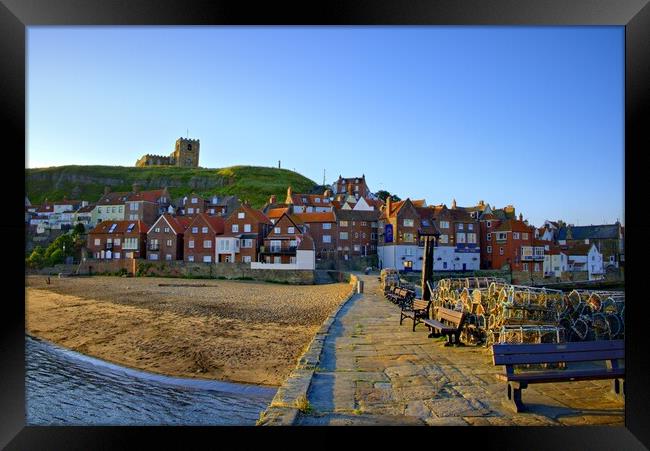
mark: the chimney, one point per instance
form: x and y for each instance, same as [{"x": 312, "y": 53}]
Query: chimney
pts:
[
  {"x": 350, "y": 189},
  {"x": 289, "y": 192},
  {"x": 481, "y": 203},
  {"x": 327, "y": 193},
  {"x": 136, "y": 187},
  {"x": 521, "y": 217},
  {"x": 107, "y": 189},
  {"x": 453, "y": 203},
  {"x": 388, "y": 203},
  {"x": 273, "y": 199}
]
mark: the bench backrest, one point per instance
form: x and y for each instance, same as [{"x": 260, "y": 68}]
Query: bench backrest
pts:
[
  {"x": 420, "y": 304},
  {"x": 519, "y": 354},
  {"x": 450, "y": 316}
]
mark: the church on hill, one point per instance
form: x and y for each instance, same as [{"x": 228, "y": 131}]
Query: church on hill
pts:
[{"x": 185, "y": 154}]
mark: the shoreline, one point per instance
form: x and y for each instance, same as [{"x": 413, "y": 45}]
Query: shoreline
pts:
[
  {"x": 230, "y": 332},
  {"x": 167, "y": 379}
]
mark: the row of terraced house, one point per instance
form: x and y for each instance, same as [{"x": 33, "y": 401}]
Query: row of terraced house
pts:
[{"x": 346, "y": 221}]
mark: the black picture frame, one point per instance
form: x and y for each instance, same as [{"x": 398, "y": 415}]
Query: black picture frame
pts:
[{"x": 15, "y": 15}]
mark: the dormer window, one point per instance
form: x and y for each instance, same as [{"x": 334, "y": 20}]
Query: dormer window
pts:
[
  {"x": 317, "y": 200},
  {"x": 241, "y": 215},
  {"x": 195, "y": 200}
]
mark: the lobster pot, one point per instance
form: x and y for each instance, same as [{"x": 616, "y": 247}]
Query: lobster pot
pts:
[
  {"x": 529, "y": 314},
  {"x": 531, "y": 334}
]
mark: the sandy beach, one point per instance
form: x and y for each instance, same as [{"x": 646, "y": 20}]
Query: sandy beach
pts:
[{"x": 239, "y": 331}]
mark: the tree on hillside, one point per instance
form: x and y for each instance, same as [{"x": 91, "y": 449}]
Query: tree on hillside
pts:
[
  {"x": 79, "y": 229},
  {"x": 383, "y": 195}
]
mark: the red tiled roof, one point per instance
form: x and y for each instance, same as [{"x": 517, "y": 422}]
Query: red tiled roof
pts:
[
  {"x": 256, "y": 214},
  {"x": 513, "y": 225},
  {"x": 116, "y": 198},
  {"x": 578, "y": 249},
  {"x": 149, "y": 196},
  {"x": 316, "y": 217},
  {"x": 275, "y": 213},
  {"x": 177, "y": 223},
  {"x": 121, "y": 226}
]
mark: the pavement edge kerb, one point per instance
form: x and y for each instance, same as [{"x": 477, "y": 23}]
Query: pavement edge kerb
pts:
[{"x": 283, "y": 410}]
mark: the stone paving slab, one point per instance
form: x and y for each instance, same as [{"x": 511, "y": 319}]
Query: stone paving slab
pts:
[{"x": 373, "y": 371}]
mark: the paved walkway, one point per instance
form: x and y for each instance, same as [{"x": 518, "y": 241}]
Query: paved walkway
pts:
[{"x": 374, "y": 371}]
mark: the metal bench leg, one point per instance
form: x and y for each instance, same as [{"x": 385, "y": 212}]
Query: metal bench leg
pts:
[
  {"x": 449, "y": 343},
  {"x": 401, "y": 318},
  {"x": 618, "y": 388},
  {"x": 457, "y": 341},
  {"x": 414, "y": 322},
  {"x": 513, "y": 396}
]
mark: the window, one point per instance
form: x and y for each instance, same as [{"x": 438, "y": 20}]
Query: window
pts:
[
  {"x": 489, "y": 224},
  {"x": 247, "y": 243},
  {"x": 130, "y": 243},
  {"x": 246, "y": 258},
  {"x": 99, "y": 210},
  {"x": 241, "y": 215},
  {"x": 502, "y": 236},
  {"x": 292, "y": 260},
  {"x": 515, "y": 235},
  {"x": 207, "y": 259},
  {"x": 133, "y": 217},
  {"x": 207, "y": 244},
  {"x": 190, "y": 258},
  {"x": 425, "y": 222},
  {"x": 343, "y": 223},
  {"x": 327, "y": 226},
  {"x": 524, "y": 236},
  {"x": 277, "y": 259},
  {"x": 116, "y": 255},
  {"x": 525, "y": 266},
  {"x": 317, "y": 200},
  {"x": 153, "y": 256},
  {"x": 134, "y": 206},
  {"x": 470, "y": 226},
  {"x": 460, "y": 238},
  {"x": 460, "y": 226},
  {"x": 357, "y": 248},
  {"x": 166, "y": 229},
  {"x": 444, "y": 224},
  {"x": 489, "y": 249},
  {"x": 116, "y": 241},
  {"x": 444, "y": 265},
  {"x": 157, "y": 230},
  {"x": 98, "y": 241},
  {"x": 195, "y": 200},
  {"x": 204, "y": 230},
  {"x": 343, "y": 235},
  {"x": 168, "y": 256},
  {"x": 169, "y": 242},
  {"x": 247, "y": 227},
  {"x": 500, "y": 251},
  {"x": 327, "y": 238},
  {"x": 408, "y": 238},
  {"x": 235, "y": 228},
  {"x": 408, "y": 223},
  {"x": 293, "y": 243},
  {"x": 277, "y": 230},
  {"x": 195, "y": 230},
  {"x": 291, "y": 230},
  {"x": 444, "y": 239},
  {"x": 471, "y": 238},
  {"x": 356, "y": 234},
  {"x": 363, "y": 235},
  {"x": 536, "y": 267},
  {"x": 190, "y": 244},
  {"x": 489, "y": 237}
]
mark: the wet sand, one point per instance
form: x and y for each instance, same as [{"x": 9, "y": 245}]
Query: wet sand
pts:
[{"x": 239, "y": 331}]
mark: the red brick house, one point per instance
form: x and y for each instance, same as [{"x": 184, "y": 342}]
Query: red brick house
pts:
[
  {"x": 323, "y": 230},
  {"x": 244, "y": 232},
  {"x": 356, "y": 185},
  {"x": 112, "y": 240},
  {"x": 282, "y": 241},
  {"x": 357, "y": 232},
  {"x": 146, "y": 206},
  {"x": 165, "y": 237},
  {"x": 512, "y": 242},
  {"x": 398, "y": 240},
  {"x": 199, "y": 239},
  {"x": 308, "y": 203}
]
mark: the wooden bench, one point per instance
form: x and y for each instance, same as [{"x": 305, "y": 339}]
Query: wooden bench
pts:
[
  {"x": 418, "y": 310},
  {"x": 446, "y": 322},
  {"x": 609, "y": 351},
  {"x": 400, "y": 296}
]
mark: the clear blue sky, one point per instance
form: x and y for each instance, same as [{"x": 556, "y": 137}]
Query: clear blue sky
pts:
[{"x": 529, "y": 116}]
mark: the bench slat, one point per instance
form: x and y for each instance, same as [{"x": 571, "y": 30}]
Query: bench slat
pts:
[
  {"x": 598, "y": 345},
  {"x": 438, "y": 325},
  {"x": 563, "y": 376},
  {"x": 543, "y": 357}
]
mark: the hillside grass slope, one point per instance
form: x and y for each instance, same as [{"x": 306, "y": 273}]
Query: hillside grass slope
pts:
[{"x": 253, "y": 183}]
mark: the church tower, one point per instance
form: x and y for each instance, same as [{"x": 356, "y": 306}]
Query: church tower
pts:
[{"x": 186, "y": 153}]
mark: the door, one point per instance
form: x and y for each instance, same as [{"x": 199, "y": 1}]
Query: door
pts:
[{"x": 464, "y": 266}]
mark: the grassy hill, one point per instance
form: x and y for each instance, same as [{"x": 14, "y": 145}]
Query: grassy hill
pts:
[{"x": 251, "y": 183}]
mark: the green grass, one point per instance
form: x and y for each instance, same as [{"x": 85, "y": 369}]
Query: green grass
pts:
[{"x": 253, "y": 183}]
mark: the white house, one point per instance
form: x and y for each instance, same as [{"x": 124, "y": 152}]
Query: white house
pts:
[{"x": 586, "y": 257}]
